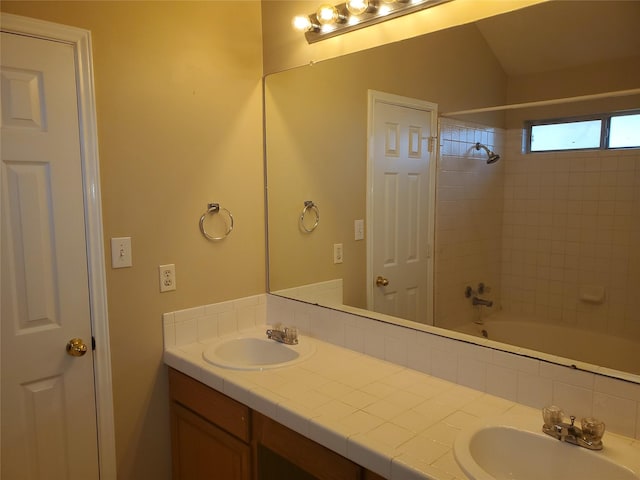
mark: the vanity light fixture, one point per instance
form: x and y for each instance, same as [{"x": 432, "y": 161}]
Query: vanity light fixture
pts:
[
  {"x": 357, "y": 7},
  {"x": 303, "y": 23},
  {"x": 328, "y": 15},
  {"x": 331, "y": 20}
]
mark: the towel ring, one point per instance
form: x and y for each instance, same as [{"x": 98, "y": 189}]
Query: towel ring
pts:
[
  {"x": 309, "y": 206},
  {"x": 214, "y": 208}
]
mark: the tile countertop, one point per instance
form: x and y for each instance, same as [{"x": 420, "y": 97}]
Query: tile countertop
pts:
[{"x": 390, "y": 419}]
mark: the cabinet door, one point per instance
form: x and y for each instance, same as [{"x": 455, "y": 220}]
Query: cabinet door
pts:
[
  {"x": 215, "y": 407},
  {"x": 202, "y": 451}
]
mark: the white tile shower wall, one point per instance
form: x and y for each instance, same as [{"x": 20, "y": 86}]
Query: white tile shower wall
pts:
[
  {"x": 518, "y": 378},
  {"x": 468, "y": 219},
  {"x": 526, "y": 380},
  {"x": 572, "y": 227}
]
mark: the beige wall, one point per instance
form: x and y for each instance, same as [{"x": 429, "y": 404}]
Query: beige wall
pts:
[
  {"x": 286, "y": 48},
  {"x": 178, "y": 92}
]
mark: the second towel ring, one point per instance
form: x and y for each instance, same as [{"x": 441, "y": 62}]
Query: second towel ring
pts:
[
  {"x": 309, "y": 205},
  {"x": 213, "y": 208}
]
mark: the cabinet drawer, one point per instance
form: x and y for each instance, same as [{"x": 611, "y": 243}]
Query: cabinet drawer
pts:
[
  {"x": 212, "y": 405},
  {"x": 314, "y": 459}
]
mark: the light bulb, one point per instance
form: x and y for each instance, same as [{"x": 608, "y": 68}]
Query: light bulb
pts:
[
  {"x": 301, "y": 23},
  {"x": 357, "y": 7},
  {"x": 327, "y": 14}
]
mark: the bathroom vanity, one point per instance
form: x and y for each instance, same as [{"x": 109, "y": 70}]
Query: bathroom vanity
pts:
[
  {"x": 333, "y": 413},
  {"x": 214, "y": 436}
]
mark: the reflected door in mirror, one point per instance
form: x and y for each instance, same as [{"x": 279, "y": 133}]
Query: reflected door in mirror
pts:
[{"x": 399, "y": 208}]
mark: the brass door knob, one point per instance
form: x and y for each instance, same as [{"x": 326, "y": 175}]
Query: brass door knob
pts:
[
  {"x": 381, "y": 281},
  {"x": 76, "y": 347}
]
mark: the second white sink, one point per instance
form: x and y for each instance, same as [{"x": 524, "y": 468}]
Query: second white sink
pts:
[
  {"x": 252, "y": 350},
  {"x": 497, "y": 452}
]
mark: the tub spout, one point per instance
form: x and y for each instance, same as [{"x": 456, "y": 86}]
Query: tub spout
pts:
[{"x": 481, "y": 301}]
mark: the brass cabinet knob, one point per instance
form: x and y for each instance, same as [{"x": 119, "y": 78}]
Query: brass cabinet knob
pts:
[
  {"x": 381, "y": 281},
  {"x": 76, "y": 347}
]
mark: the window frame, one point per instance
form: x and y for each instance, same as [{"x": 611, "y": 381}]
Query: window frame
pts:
[{"x": 605, "y": 128}]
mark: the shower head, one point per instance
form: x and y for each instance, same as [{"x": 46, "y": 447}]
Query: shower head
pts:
[{"x": 492, "y": 156}]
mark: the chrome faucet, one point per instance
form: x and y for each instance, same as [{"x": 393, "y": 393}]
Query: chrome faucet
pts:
[
  {"x": 481, "y": 301},
  {"x": 589, "y": 436},
  {"x": 475, "y": 299},
  {"x": 285, "y": 335}
]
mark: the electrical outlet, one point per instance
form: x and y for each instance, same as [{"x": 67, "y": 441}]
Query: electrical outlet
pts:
[
  {"x": 167, "y": 277},
  {"x": 337, "y": 253}
]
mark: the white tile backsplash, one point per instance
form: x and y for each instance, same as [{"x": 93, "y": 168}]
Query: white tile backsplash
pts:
[
  {"x": 529, "y": 381},
  {"x": 573, "y": 400},
  {"x": 444, "y": 364},
  {"x": 209, "y": 321},
  {"x": 472, "y": 373},
  {"x": 534, "y": 390},
  {"x": 502, "y": 382},
  {"x": 617, "y": 412},
  {"x": 323, "y": 293}
]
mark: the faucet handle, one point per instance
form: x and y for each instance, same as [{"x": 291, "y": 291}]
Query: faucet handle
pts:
[
  {"x": 552, "y": 415},
  {"x": 291, "y": 335},
  {"x": 592, "y": 429}
]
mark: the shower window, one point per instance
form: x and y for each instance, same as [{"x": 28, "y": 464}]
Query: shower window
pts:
[
  {"x": 606, "y": 131},
  {"x": 624, "y": 131}
]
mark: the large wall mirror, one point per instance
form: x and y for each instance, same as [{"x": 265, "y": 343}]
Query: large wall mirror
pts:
[{"x": 548, "y": 242}]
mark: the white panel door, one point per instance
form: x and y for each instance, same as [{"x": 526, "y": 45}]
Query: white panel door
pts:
[
  {"x": 48, "y": 401},
  {"x": 401, "y": 199}
]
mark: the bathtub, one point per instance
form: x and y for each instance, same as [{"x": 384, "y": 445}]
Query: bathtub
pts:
[{"x": 594, "y": 348}]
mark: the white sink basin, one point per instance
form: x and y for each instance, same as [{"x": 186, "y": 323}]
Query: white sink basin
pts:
[
  {"x": 252, "y": 350},
  {"x": 495, "y": 451}
]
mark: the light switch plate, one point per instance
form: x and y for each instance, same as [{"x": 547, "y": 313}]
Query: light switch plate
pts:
[
  {"x": 358, "y": 226},
  {"x": 121, "y": 252},
  {"x": 337, "y": 253}
]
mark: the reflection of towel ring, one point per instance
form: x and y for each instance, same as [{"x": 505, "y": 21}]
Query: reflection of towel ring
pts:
[
  {"x": 213, "y": 208},
  {"x": 309, "y": 205}
]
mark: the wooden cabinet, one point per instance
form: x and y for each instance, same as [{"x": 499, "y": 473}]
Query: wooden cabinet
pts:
[
  {"x": 209, "y": 432},
  {"x": 368, "y": 475},
  {"x": 216, "y": 437},
  {"x": 296, "y": 449},
  {"x": 203, "y": 451}
]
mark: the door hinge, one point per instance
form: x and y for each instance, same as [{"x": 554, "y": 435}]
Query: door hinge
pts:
[
  {"x": 432, "y": 144},
  {"x": 93, "y": 342}
]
